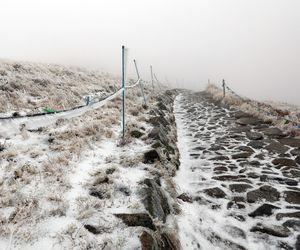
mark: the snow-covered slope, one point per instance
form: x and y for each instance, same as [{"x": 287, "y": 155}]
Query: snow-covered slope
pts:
[
  {"x": 66, "y": 182},
  {"x": 27, "y": 87}
]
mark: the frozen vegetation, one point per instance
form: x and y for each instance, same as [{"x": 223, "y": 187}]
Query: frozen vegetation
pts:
[
  {"x": 196, "y": 171},
  {"x": 282, "y": 115},
  {"x": 67, "y": 185}
]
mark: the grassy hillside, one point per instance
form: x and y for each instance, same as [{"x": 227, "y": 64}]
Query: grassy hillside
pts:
[{"x": 30, "y": 86}]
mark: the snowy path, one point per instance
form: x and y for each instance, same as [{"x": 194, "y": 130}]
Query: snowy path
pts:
[{"x": 228, "y": 177}]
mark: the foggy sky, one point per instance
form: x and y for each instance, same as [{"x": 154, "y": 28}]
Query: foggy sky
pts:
[{"x": 253, "y": 44}]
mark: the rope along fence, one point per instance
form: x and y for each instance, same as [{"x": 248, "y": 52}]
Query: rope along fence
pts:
[
  {"x": 256, "y": 104},
  {"x": 13, "y": 124}
]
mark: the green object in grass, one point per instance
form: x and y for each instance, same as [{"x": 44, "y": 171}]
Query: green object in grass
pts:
[{"x": 48, "y": 110}]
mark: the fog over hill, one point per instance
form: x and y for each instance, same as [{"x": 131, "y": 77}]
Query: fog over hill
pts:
[
  {"x": 253, "y": 44},
  {"x": 202, "y": 154}
]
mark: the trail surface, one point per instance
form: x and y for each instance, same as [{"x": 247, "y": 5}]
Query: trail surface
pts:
[{"x": 239, "y": 177}]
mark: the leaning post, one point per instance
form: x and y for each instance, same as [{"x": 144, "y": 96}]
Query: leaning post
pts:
[
  {"x": 141, "y": 84},
  {"x": 158, "y": 83},
  {"x": 152, "y": 77}
]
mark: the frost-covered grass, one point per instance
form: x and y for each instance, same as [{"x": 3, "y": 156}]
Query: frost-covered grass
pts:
[
  {"x": 26, "y": 87},
  {"x": 284, "y": 116},
  {"x": 46, "y": 175}
]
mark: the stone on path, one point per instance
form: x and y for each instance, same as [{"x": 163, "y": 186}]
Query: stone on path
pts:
[
  {"x": 280, "y": 216},
  {"x": 215, "y": 192},
  {"x": 235, "y": 231},
  {"x": 232, "y": 204},
  {"x": 295, "y": 224},
  {"x": 276, "y": 147},
  {"x": 239, "y": 188},
  {"x": 246, "y": 149},
  {"x": 241, "y": 155},
  {"x": 277, "y": 231},
  {"x": 228, "y": 177},
  {"x": 216, "y": 148},
  {"x": 297, "y": 160},
  {"x": 284, "y": 162},
  {"x": 220, "y": 158},
  {"x": 265, "y": 192},
  {"x": 292, "y": 142},
  {"x": 227, "y": 244},
  {"x": 256, "y": 144},
  {"x": 254, "y": 135},
  {"x": 292, "y": 197},
  {"x": 263, "y": 210},
  {"x": 221, "y": 169},
  {"x": 295, "y": 173},
  {"x": 295, "y": 152}
]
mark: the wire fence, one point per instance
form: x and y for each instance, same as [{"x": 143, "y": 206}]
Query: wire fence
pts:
[
  {"x": 12, "y": 124},
  {"x": 257, "y": 105}
]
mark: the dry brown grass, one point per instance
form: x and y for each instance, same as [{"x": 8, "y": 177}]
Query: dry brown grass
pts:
[{"x": 87, "y": 207}]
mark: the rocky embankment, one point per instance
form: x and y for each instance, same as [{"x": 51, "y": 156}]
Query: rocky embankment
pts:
[
  {"x": 157, "y": 192},
  {"x": 241, "y": 177}
]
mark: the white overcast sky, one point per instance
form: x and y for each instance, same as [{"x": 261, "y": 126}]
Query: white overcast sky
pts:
[{"x": 253, "y": 44}]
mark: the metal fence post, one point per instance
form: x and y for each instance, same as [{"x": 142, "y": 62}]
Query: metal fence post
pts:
[
  {"x": 151, "y": 77},
  {"x": 158, "y": 83},
  {"x": 123, "y": 92},
  {"x": 141, "y": 84}
]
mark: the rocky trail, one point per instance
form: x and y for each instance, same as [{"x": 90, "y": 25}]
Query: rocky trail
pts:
[{"x": 238, "y": 179}]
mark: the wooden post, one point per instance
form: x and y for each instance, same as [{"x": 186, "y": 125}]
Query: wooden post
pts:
[{"x": 223, "y": 88}]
